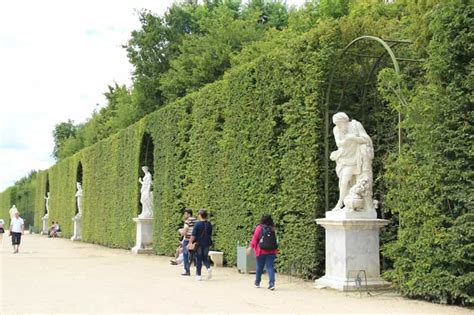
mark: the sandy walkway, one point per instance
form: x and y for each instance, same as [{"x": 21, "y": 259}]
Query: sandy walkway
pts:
[{"x": 59, "y": 276}]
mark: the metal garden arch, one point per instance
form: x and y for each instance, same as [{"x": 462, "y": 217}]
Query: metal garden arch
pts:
[{"x": 387, "y": 45}]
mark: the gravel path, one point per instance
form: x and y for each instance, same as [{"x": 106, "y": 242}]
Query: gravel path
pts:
[{"x": 60, "y": 276}]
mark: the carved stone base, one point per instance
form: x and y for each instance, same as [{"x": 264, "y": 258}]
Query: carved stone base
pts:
[
  {"x": 144, "y": 236},
  {"x": 45, "y": 229},
  {"x": 77, "y": 228},
  {"x": 351, "y": 245}
]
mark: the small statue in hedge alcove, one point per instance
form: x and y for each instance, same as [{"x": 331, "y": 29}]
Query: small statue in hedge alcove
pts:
[
  {"x": 12, "y": 212},
  {"x": 353, "y": 157},
  {"x": 46, "y": 203},
  {"x": 146, "y": 197},
  {"x": 79, "y": 199}
]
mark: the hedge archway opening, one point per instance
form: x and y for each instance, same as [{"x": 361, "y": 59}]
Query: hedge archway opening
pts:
[
  {"x": 78, "y": 179},
  {"x": 352, "y": 89},
  {"x": 46, "y": 193},
  {"x": 146, "y": 159}
]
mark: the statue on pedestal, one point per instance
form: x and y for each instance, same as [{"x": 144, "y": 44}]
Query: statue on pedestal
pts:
[
  {"x": 353, "y": 158},
  {"x": 46, "y": 204},
  {"x": 146, "y": 197},
  {"x": 12, "y": 212},
  {"x": 79, "y": 199}
]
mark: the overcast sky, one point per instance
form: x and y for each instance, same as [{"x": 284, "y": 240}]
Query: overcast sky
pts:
[{"x": 56, "y": 59}]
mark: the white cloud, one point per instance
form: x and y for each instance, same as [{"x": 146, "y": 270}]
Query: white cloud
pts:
[{"x": 56, "y": 59}]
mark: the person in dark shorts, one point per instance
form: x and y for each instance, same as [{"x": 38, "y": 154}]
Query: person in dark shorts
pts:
[{"x": 17, "y": 229}]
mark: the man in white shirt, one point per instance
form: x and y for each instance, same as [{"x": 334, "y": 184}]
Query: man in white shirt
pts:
[{"x": 17, "y": 229}]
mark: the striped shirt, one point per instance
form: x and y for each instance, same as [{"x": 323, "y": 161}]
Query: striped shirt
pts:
[{"x": 188, "y": 227}]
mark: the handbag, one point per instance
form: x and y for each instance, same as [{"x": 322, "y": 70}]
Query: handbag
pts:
[{"x": 192, "y": 247}]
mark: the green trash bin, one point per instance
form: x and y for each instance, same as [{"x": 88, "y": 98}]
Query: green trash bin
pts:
[{"x": 245, "y": 263}]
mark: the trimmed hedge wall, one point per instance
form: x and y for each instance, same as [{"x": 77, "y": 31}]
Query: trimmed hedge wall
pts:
[
  {"x": 62, "y": 188},
  {"x": 110, "y": 189},
  {"x": 240, "y": 147},
  {"x": 5, "y": 205},
  {"x": 40, "y": 206},
  {"x": 23, "y": 196},
  {"x": 430, "y": 184}
]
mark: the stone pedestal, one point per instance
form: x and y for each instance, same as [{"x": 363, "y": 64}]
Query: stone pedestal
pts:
[
  {"x": 144, "y": 236},
  {"x": 352, "y": 244},
  {"x": 45, "y": 229},
  {"x": 77, "y": 228}
]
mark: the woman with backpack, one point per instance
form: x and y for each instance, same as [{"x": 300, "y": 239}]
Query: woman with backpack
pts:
[{"x": 265, "y": 246}]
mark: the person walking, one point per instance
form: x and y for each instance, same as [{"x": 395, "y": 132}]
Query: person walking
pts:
[
  {"x": 265, "y": 246},
  {"x": 202, "y": 235},
  {"x": 2, "y": 231},
  {"x": 17, "y": 229},
  {"x": 186, "y": 232}
]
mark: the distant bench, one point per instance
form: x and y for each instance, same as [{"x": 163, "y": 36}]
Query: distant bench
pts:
[{"x": 217, "y": 258}]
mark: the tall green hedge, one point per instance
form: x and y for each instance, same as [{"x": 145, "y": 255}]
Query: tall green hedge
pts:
[
  {"x": 22, "y": 195},
  {"x": 240, "y": 147},
  {"x": 39, "y": 203},
  {"x": 110, "y": 189},
  {"x": 62, "y": 189},
  {"x": 430, "y": 183},
  {"x": 5, "y": 205}
]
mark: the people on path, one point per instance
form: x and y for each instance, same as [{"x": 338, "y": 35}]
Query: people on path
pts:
[
  {"x": 264, "y": 243},
  {"x": 17, "y": 229},
  {"x": 202, "y": 235},
  {"x": 2, "y": 230},
  {"x": 186, "y": 232},
  {"x": 53, "y": 231},
  {"x": 178, "y": 256}
]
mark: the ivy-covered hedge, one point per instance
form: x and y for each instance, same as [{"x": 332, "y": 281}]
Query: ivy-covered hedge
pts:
[
  {"x": 430, "y": 185},
  {"x": 22, "y": 195},
  {"x": 62, "y": 189},
  {"x": 240, "y": 147},
  {"x": 39, "y": 203},
  {"x": 110, "y": 189},
  {"x": 5, "y": 205}
]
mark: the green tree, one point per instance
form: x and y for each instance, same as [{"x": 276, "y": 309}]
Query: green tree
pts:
[
  {"x": 61, "y": 133},
  {"x": 151, "y": 48}
]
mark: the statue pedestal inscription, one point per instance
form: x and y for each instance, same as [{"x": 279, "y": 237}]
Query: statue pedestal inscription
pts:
[
  {"x": 77, "y": 228},
  {"x": 44, "y": 231},
  {"x": 352, "y": 244},
  {"x": 144, "y": 237}
]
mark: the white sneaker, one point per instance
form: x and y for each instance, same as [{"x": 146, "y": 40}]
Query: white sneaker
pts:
[
  {"x": 198, "y": 278},
  {"x": 209, "y": 274}
]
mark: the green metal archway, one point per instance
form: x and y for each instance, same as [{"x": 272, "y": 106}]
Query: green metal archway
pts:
[{"x": 387, "y": 45}]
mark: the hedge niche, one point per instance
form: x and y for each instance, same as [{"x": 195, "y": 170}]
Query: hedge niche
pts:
[
  {"x": 146, "y": 159},
  {"x": 42, "y": 188}
]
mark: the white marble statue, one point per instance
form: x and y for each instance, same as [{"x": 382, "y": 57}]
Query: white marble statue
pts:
[
  {"x": 12, "y": 212},
  {"x": 146, "y": 197},
  {"x": 353, "y": 159},
  {"x": 79, "y": 199},
  {"x": 46, "y": 203}
]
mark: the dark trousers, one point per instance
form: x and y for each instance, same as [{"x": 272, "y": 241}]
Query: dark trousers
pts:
[
  {"x": 16, "y": 238},
  {"x": 202, "y": 257},
  {"x": 265, "y": 260},
  {"x": 186, "y": 261}
]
